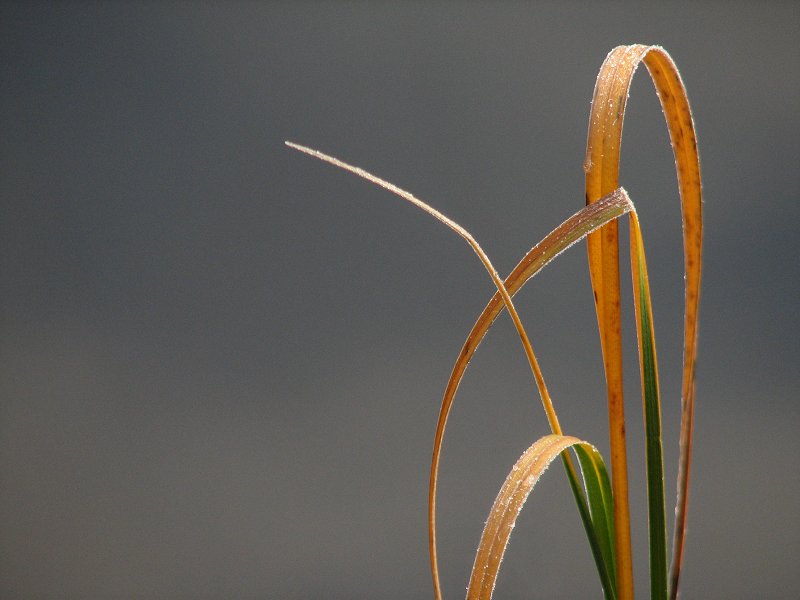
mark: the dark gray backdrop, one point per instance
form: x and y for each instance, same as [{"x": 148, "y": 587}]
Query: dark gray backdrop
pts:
[{"x": 222, "y": 361}]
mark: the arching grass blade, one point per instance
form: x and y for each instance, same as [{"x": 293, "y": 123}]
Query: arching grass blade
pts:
[
  {"x": 507, "y": 506},
  {"x": 565, "y": 235},
  {"x": 602, "y": 175},
  {"x": 618, "y": 203}
]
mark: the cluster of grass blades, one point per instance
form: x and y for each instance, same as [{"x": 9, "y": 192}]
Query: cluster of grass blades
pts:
[{"x": 602, "y": 501}]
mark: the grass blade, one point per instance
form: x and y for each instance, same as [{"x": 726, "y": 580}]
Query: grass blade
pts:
[
  {"x": 507, "y": 506},
  {"x": 602, "y": 175},
  {"x": 648, "y": 367},
  {"x": 565, "y": 235},
  {"x": 537, "y": 374},
  {"x": 618, "y": 197},
  {"x": 601, "y": 504}
]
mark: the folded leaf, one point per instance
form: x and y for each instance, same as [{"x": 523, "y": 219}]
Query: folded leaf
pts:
[
  {"x": 509, "y": 502},
  {"x": 565, "y": 235},
  {"x": 602, "y": 175}
]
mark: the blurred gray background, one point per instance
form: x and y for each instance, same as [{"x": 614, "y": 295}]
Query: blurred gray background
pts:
[{"x": 222, "y": 361}]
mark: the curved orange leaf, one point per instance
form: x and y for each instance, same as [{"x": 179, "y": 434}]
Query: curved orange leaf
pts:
[{"x": 602, "y": 175}]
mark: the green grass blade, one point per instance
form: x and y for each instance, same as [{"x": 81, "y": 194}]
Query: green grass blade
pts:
[
  {"x": 601, "y": 504},
  {"x": 594, "y": 534},
  {"x": 657, "y": 520}
]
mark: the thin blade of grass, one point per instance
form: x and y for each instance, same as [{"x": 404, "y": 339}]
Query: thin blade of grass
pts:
[
  {"x": 564, "y": 236},
  {"x": 648, "y": 367},
  {"x": 601, "y": 503},
  {"x": 507, "y": 506},
  {"x": 507, "y": 302},
  {"x": 495, "y": 277},
  {"x": 602, "y": 175},
  {"x": 595, "y": 531},
  {"x": 603, "y": 257}
]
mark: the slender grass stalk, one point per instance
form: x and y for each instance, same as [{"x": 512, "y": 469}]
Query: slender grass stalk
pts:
[
  {"x": 602, "y": 175},
  {"x": 648, "y": 368},
  {"x": 552, "y": 418},
  {"x": 547, "y": 403}
]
